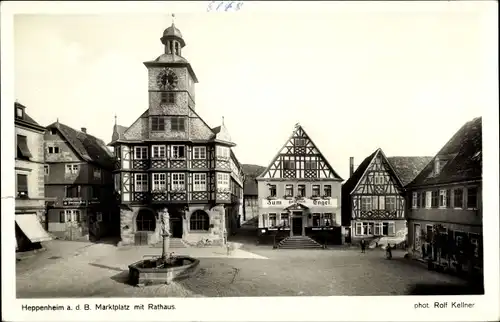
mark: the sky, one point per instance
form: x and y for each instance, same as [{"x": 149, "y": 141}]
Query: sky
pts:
[{"x": 403, "y": 81}]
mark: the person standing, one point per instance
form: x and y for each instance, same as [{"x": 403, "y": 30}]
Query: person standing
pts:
[{"x": 363, "y": 245}]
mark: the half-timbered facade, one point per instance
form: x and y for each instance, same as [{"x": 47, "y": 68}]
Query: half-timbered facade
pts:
[
  {"x": 373, "y": 204},
  {"x": 299, "y": 193},
  {"x": 79, "y": 185},
  {"x": 169, "y": 159},
  {"x": 445, "y": 201}
]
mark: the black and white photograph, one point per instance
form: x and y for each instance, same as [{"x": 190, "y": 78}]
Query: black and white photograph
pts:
[{"x": 321, "y": 156}]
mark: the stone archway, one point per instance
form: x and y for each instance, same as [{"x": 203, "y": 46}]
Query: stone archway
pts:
[
  {"x": 145, "y": 224},
  {"x": 199, "y": 221}
]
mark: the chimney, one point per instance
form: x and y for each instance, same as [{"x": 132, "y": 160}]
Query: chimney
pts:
[
  {"x": 351, "y": 166},
  {"x": 84, "y": 129}
]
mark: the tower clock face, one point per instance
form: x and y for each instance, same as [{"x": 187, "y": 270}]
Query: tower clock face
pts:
[{"x": 167, "y": 79}]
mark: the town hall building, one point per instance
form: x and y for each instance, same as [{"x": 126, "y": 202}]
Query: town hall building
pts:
[
  {"x": 170, "y": 161},
  {"x": 299, "y": 195}
]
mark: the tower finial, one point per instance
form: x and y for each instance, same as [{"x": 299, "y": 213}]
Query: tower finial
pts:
[
  {"x": 116, "y": 118},
  {"x": 173, "y": 19},
  {"x": 223, "y": 120}
]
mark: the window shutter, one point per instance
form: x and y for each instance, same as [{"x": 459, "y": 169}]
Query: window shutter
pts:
[
  {"x": 448, "y": 198},
  {"x": 61, "y": 217}
]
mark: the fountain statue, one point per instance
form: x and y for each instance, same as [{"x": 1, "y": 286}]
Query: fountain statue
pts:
[{"x": 165, "y": 232}]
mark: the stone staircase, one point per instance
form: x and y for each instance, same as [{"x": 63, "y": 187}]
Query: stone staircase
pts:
[
  {"x": 299, "y": 242},
  {"x": 174, "y": 243}
]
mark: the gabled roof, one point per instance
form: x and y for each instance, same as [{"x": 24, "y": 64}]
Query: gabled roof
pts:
[
  {"x": 465, "y": 149},
  {"x": 305, "y": 135},
  {"x": 405, "y": 169},
  {"x": 251, "y": 172},
  {"x": 88, "y": 147}
]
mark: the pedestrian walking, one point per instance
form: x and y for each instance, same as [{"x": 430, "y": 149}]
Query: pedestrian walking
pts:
[{"x": 363, "y": 245}]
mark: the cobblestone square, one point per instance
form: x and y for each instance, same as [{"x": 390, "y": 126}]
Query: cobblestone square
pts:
[{"x": 100, "y": 270}]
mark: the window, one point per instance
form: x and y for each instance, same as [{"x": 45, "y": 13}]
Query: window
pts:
[
  {"x": 327, "y": 219},
  {"x": 53, "y": 131},
  {"x": 177, "y": 124},
  {"x": 70, "y": 215},
  {"x": 378, "y": 229},
  {"x": 22, "y": 185},
  {"x": 141, "y": 182},
  {"x": 23, "y": 151},
  {"x": 458, "y": 196},
  {"x": 158, "y": 123},
  {"x": 435, "y": 199},
  {"x": 422, "y": 199},
  {"x": 315, "y": 190},
  {"x": 167, "y": 97},
  {"x": 272, "y": 190},
  {"x": 310, "y": 165},
  {"x": 73, "y": 191},
  {"x": 19, "y": 112},
  {"x": 472, "y": 198},
  {"x": 414, "y": 200},
  {"x": 428, "y": 199},
  {"x": 53, "y": 149},
  {"x": 140, "y": 152},
  {"x": 159, "y": 181},
  {"x": 199, "y": 220},
  {"x": 375, "y": 202},
  {"x": 199, "y": 152},
  {"x": 178, "y": 152},
  {"x": 178, "y": 182},
  {"x": 442, "y": 198},
  {"x": 200, "y": 182},
  {"x": 390, "y": 203},
  {"x": 46, "y": 170},
  {"x": 223, "y": 181},
  {"x": 272, "y": 220},
  {"x": 301, "y": 190},
  {"x": 285, "y": 220},
  {"x": 448, "y": 197},
  {"x": 327, "y": 189},
  {"x": 359, "y": 228},
  {"x": 95, "y": 192},
  {"x": 72, "y": 169},
  {"x": 289, "y": 190},
  {"x": 378, "y": 178},
  {"x": 300, "y": 142},
  {"x": 474, "y": 240},
  {"x": 316, "y": 220},
  {"x": 158, "y": 151},
  {"x": 97, "y": 173},
  {"x": 288, "y": 165},
  {"x": 222, "y": 151},
  {"x": 366, "y": 203}
]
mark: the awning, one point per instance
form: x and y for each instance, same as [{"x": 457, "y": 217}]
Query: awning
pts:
[
  {"x": 22, "y": 145},
  {"x": 31, "y": 227}
]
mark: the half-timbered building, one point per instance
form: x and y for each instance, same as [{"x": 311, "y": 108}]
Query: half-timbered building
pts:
[
  {"x": 445, "y": 201},
  {"x": 170, "y": 160},
  {"x": 299, "y": 194},
  {"x": 373, "y": 206},
  {"x": 79, "y": 185}
]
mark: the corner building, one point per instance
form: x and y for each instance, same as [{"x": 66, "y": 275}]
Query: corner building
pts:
[{"x": 169, "y": 159}]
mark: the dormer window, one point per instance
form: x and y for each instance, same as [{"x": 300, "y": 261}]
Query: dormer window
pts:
[
  {"x": 19, "y": 112},
  {"x": 53, "y": 131}
]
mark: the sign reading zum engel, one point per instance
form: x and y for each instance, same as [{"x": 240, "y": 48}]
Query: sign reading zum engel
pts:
[{"x": 283, "y": 203}]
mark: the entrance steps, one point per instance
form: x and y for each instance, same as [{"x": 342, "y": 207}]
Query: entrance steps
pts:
[
  {"x": 299, "y": 242},
  {"x": 174, "y": 243}
]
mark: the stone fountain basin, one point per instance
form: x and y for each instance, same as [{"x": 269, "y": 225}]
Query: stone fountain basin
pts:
[{"x": 150, "y": 272}]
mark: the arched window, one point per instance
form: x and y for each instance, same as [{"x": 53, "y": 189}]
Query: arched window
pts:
[
  {"x": 199, "y": 220},
  {"x": 146, "y": 220}
]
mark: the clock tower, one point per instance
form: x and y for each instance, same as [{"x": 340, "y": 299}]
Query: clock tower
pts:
[{"x": 171, "y": 79}]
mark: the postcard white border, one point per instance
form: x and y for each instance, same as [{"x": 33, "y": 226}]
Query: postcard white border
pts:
[{"x": 396, "y": 308}]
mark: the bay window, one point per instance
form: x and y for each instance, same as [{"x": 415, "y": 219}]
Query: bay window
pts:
[
  {"x": 141, "y": 182},
  {"x": 223, "y": 181},
  {"x": 158, "y": 151},
  {"x": 140, "y": 152},
  {"x": 159, "y": 181},
  {"x": 200, "y": 182},
  {"x": 178, "y": 182}
]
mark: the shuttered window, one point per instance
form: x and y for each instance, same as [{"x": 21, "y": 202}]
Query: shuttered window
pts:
[{"x": 22, "y": 185}]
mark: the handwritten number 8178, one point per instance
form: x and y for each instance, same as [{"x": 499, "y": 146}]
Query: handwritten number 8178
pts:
[{"x": 219, "y": 6}]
